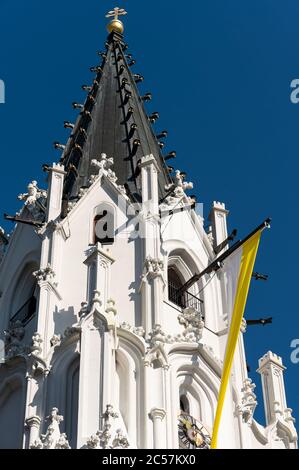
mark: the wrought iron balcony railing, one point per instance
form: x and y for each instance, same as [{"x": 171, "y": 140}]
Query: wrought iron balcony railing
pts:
[{"x": 184, "y": 300}]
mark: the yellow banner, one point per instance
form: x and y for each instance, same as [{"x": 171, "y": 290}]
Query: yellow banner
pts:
[{"x": 249, "y": 248}]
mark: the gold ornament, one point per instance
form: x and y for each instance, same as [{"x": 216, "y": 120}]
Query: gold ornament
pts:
[{"x": 116, "y": 25}]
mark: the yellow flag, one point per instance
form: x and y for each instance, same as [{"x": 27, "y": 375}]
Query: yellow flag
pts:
[{"x": 239, "y": 267}]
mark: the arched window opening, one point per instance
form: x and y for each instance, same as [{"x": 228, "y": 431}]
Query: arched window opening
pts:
[
  {"x": 174, "y": 285},
  {"x": 181, "y": 299},
  {"x": 184, "y": 404},
  {"x": 104, "y": 231},
  {"x": 72, "y": 402},
  {"x": 24, "y": 305}
]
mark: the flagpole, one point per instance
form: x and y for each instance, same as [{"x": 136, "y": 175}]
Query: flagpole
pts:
[{"x": 216, "y": 264}]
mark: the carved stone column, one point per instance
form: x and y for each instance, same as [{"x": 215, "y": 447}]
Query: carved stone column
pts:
[
  {"x": 271, "y": 370},
  {"x": 33, "y": 423},
  {"x": 152, "y": 286},
  {"x": 96, "y": 371},
  {"x": 99, "y": 263},
  {"x": 56, "y": 179},
  {"x": 157, "y": 415},
  {"x": 149, "y": 181},
  {"x": 218, "y": 216},
  {"x": 48, "y": 296}
]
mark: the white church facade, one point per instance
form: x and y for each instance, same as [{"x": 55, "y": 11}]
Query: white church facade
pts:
[{"x": 103, "y": 345}]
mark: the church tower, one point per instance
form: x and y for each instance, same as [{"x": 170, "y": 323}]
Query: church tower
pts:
[{"x": 102, "y": 344}]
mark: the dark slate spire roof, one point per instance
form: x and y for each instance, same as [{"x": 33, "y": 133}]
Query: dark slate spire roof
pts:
[{"x": 112, "y": 120}]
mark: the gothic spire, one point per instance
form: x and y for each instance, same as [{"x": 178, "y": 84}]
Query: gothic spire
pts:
[{"x": 113, "y": 120}]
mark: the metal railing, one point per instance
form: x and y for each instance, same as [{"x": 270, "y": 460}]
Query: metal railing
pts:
[
  {"x": 192, "y": 301},
  {"x": 26, "y": 312},
  {"x": 184, "y": 300}
]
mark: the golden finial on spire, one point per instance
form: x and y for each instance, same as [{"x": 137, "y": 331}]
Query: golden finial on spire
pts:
[{"x": 115, "y": 24}]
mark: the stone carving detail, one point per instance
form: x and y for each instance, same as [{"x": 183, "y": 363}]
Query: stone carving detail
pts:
[
  {"x": 34, "y": 201},
  {"x": 248, "y": 401},
  {"x": 34, "y": 193},
  {"x": 153, "y": 268},
  {"x": 13, "y": 340},
  {"x": 105, "y": 434},
  {"x": 288, "y": 415},
  {"x": 157, "y": 336},
  {"x": 138, "y": 330},
  {"x": 192, "y": 333},
  {"x": 45, "y": 274},
  {"x": 120, "y": 441},
  {"x": 103, "y": 439},
  {"x": 103, "y": 163},
  {"x": 93, "y": 442},
  {"x": 70, "y": 331},
  {"x": 36, "y": 344},
  {"x": 193, "y": 323},
  {"x": 180, "y": 185},
  {"x": 110, "y": 309},
  {"x": 55, "y": 340},
  {"x": 14, "y": 347},
  {"x": 84, "y": 309},
  {"x": 243, "y": 326},
  {"x": 53, "y": 439}
]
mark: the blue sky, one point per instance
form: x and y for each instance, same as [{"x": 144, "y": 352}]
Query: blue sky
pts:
[{"x": 220, "y": 74}]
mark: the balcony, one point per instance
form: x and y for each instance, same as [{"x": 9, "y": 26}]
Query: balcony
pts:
[
  {"x": 26, "y": 312},
  {"x": 185, "y": 300}
]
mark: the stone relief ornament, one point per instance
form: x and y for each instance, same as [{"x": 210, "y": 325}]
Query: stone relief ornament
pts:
[
  {"x": 153, "y": 267},
  {"x": 45, "y": 274},
  {"x": 248, "y": 402},
  {"x": 15, "y": 347},
  {"x": 33, "y": 194},
  {"x": 34, "y": 200},
  {"x": 55, "y": 340},
  {"x": 157, "y": 336},
  {"x": 138, "y": 330},
  {"x": 193, "y": 323},
  {"x": 180, "y": 185},
  {"x": 104, "y": 439},
  {"x": 53, "y": 439},
  {"x": 13, "y": 340},
  {"x": 103, "y": 163},
  {"x": 120, "y": 441},
  {"x": 36, "y": 344}
]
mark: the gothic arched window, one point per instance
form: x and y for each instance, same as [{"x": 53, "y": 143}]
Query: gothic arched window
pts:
[
  {"x": 175, "y": 283},
  {"x": 24, "y": 304},
  {"x": 104, "y": 230},
  {"x": 184, "y": 404}
]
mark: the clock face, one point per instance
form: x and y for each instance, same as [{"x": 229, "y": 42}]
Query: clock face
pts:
[{"x": 192, "y": 434}]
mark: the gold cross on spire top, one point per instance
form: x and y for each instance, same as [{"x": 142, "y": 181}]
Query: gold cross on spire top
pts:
[
  {"x": 116, "y": 25},
  {"x": 116, "y": 12}
]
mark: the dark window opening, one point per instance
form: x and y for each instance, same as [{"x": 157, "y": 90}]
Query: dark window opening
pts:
[
  {"x": 174, "y": 286},
  {"x": 27, "y": 311},
  {"x": 184, "y": 404},
  {"x": 104, "y": 228},
  {"x": 185, "y": 299}
]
